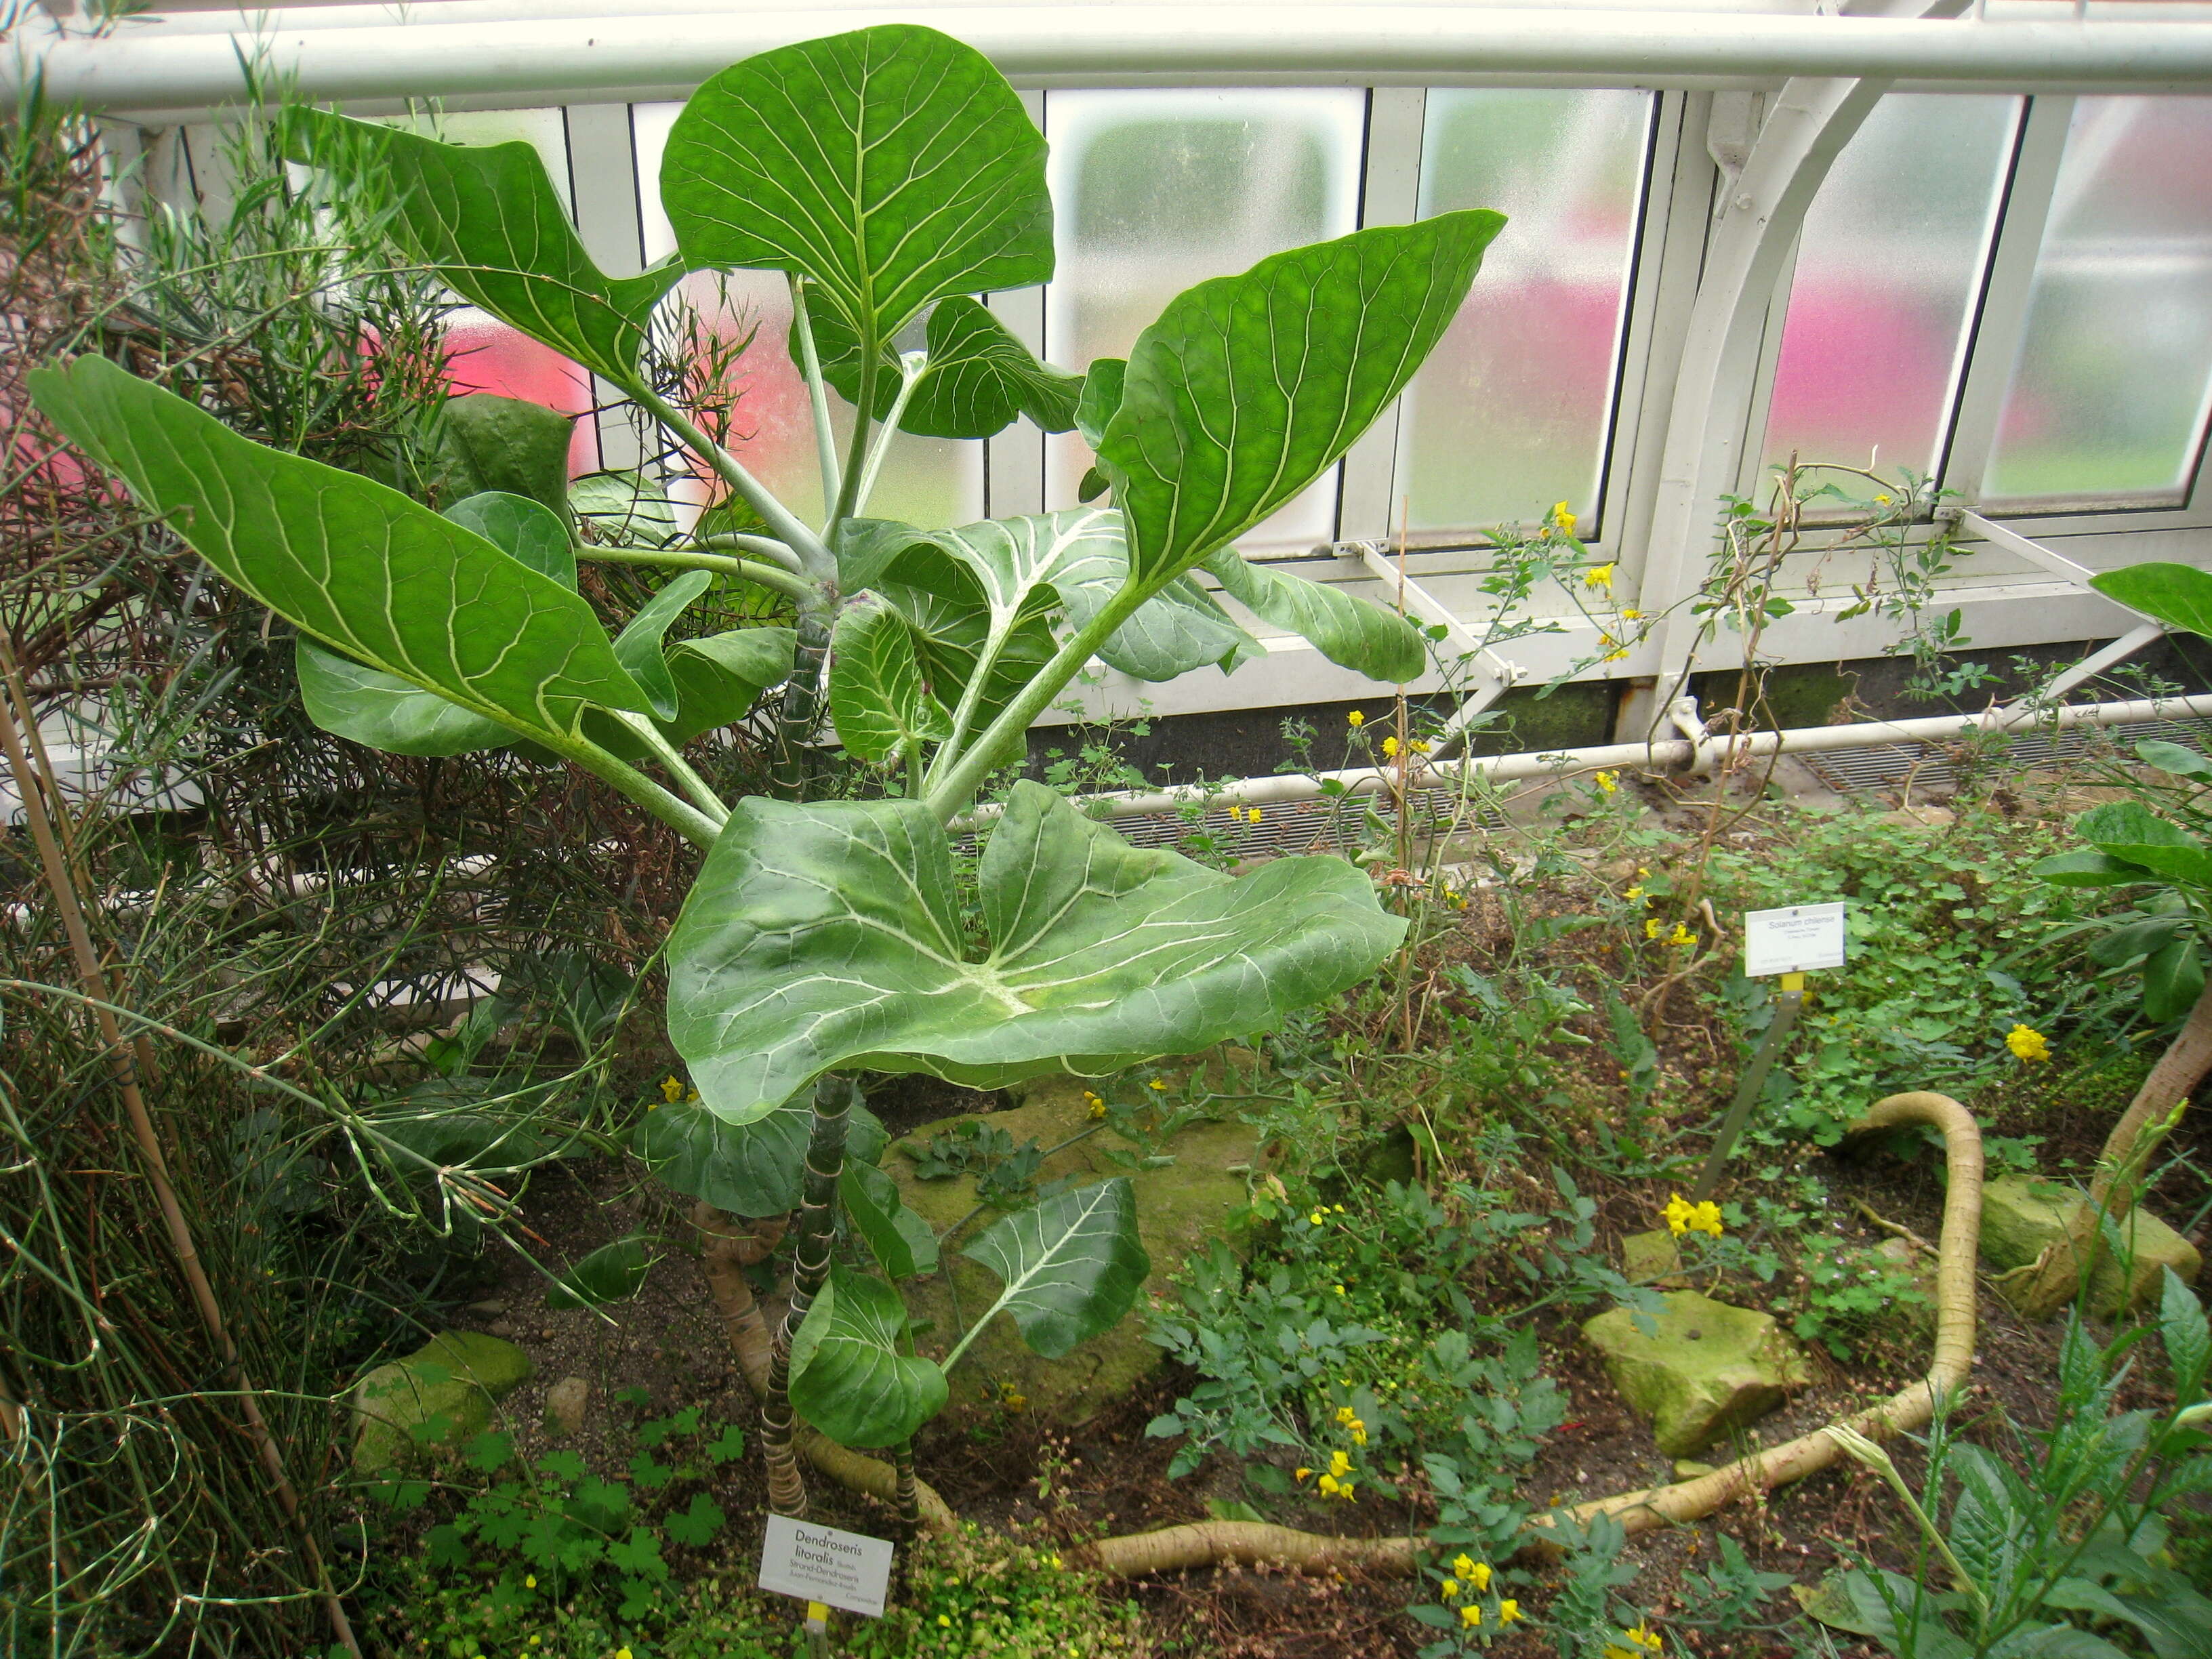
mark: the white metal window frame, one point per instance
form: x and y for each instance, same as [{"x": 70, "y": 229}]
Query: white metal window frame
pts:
[{"x": 1701, "y": 68}]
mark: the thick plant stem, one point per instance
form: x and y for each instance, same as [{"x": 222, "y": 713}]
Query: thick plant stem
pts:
[
  {"x": 815, "y": 1232},
  {"x": 725, "y": 1256},
  {"x": 802, "y": 705},
  {"x": 909, "y": 1499},
  {"x": 1213, "y": 1543},
  {"x": 2068, "y": 1261},
  {"x": 62, "y": 888}
]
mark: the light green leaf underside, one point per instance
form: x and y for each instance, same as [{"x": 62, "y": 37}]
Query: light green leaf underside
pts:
[
  {"x": 486, "y": 218},
  {"x": 1100, "y": 397},
  {"x": 1249, "y": 387},
  {"x": 894, "y": 166},
  {"x": 878, "y": 695},
  {"x": 849, "y": 1378},
  {"x": 1071, "y": 1265},
  {"x": 829, "y": 935},
  {"x": 900, "y": 1240},
  {"x": 1351, "y": 632},
  {"x": 980, "y": 379},
  {"x": 755, "y": 1169},
  {"x": 358, "y": 567}
]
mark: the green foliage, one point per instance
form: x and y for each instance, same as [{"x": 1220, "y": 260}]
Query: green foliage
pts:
[
  {"x": 979, "y": 1593},
  {"x": 1852, "y": 1293},
  {"x": 1069, "y": 1265},
  {"x": 852, "y": 1375}
]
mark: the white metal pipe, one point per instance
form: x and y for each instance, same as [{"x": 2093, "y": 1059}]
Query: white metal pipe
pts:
[
  {"x": 1668, "y": 755},
  {"x": 144, "y": 70}
]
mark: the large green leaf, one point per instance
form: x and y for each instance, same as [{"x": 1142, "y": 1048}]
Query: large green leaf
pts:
[
  {"x": 2127, "y": 830},
  {"x": 2088, "y": 869},
  {"x": 613, "y": 1272},
  {"x": 900, "y": 1241},
  {"x": 829, "y": 935},
  {"x": 2177, "y": 594},
  {"x": 1351, "y": 632},
  {"x": 876, "y": 692},
  {"x": 504, "y": 444},
  {"x": 1071, "y": 1265},
  {"x": 356, "y": 566},
  {"x": 487, "y": 220},
  {"x": 849, "y": 1377},
  {"x": 1249, "y": 388},
  {"x": 753, "y": 1169},
  {"x": 979, "y": 378},
  {"x": 628, "y": 509},
  {"x": 720, "y": 677},
  {"x": 893, "y": 164},
  {"x": 383, "y": 712}
]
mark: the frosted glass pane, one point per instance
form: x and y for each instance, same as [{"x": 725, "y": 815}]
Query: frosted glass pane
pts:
[
  {"x": 543, "y": 130},
  {"x": 1888, "y": 269},
  {"x": 1155, "y": 190},
  {"x": 1510, "y": 412},
  {"x": 2108, "y": 396},
  {"x": 931, "y": 481}
]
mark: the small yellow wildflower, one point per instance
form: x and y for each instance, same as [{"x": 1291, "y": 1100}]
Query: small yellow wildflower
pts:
[
  {"x": 1599, "y": 576},
  {"x": 1343, "y": 1490},
  {"x": 1098, "y": 1106},
  {"x": 1464, "y": 1566},
  {"x": 1481, "y": 1575},
  {"x": 2027, "y": 1044},
  {"x": 1359, "y": 1434},
  {"x": 1318, "y": 1217},
  {"x": 1651, "y": 928},
  {"x": 1635, "y": 895},
  {"x": 1631, "y": 614},
  {"x": 1355, "y": 720},
  {"x": 1508, "y": 1610},
  {"x": 1157, "y": 1083},
  {"x": 1608, "y": 782},
  {"x": 1339, "y": 1208},
  {"x": 1563, "y": 516},
  {"x": 1252, "y": 815},
  {"x": 1470, "y": 1615},
  {"x": 1339, "y": 1464},
  {"x": 1681, "y": 935},
  {"x": 1449, "y": 1589},
  {"x": 1329, "y": 1485},
  {"x": 1881, "y": 501},
  {"x": 1421, "y": 745},
  {"x": 1303, "y": 1474},
  {"x": 1683, "y": 1216},
  {"x": 1613, "y": 649},
  {"x": 1055, "y": 1561},
  {"x": 671, "y": 1090},
  {"x": 529, "y": 1580},
  {"x": 944, "y": 1620},
  {"x": 1341, "y": 1289},
  {"x": 1390, "y": 748}
]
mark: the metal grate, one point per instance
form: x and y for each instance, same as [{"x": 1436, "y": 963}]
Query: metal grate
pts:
[
  {"x": 1290, "y": 827},
  {"x": 1888, "y": 765}
]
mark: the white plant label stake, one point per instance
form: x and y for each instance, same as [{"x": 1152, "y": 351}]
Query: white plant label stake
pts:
[
  {"x": 1791, "y": 942},
  {"x": 846, "y": 1570}
]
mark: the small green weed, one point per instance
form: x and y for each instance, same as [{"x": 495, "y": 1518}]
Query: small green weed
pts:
[{"x": 979, "y": 1593}]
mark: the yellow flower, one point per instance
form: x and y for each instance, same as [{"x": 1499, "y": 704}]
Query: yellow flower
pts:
[
  {"x": 1681, "y": 935},
  {"x": 1470, "y": 1615},
  {"x": 1450, "y": 1588},
  {"x": 1011, "y": 1398},
  {"x": 529, "y": 1580},
  {"x": 1339, "y": 1464},
  {"x": 623, "y": 1653},
  {"x": 1343, "y": 1490},
  {"x": 1683, "y": 1216},
  {"x": 671, "y": 1090},
  {"x": 1328, "y": 1484},
  {"x": 1608, "y": 782},
  {"x": 1252, "y": 815},
  {"x": 1613, "y": 648},
  {"x": 1481, "y": 1575},
  {"x": 1339, "y": 1208},
  {"x": 1055, "y": 1562},
  {"x": 1464, "y": 1566},
  {"x": 1303, "y": 1474},
  {"x": 1599, "y": 576},
  {"x": 1355, "y": 719},
  {"x": 1508, "y": 1610},
  {"x": 1563, "y": 517},
  {"x": 2027, "y": 1044},
  {"x": 1631, "y": 614},
  {"x": 1651, "y": 928},
  {"x": 1390, "y": 748},
  {"x": 1881, "y": 501},
  {"x": 1359, "y": 1433},
  {"x": 1635, "y": 894},
  {"x": 1341, "y": 1289},
  {"x": 1098, "y": 1106},
  {"x": 1318, "y": 1217},
  {"x": 1347, "y": 1416},
  {"x": 946, "y": 1620},
  {"x": 1421, "y": 745},
  {"x": 1678, "y": 1213},
  {"x": 1157, "y": 1083}
]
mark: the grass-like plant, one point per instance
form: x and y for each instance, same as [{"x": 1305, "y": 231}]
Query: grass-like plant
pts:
[{"x": 892, "y": 175}]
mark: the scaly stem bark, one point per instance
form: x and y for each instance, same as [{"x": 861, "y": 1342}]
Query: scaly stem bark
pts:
[
  {"x": 802, "y": 705},
  {"x": 814, "y": 1231}
]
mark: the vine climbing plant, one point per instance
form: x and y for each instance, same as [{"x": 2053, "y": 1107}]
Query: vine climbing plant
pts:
[{"x": 892, "y": 175}]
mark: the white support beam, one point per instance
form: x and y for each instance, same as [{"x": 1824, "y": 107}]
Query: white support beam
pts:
[{"x": 527, "y": 51}]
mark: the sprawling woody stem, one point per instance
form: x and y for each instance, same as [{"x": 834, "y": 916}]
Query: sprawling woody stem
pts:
[{"x": 815, "y": 1233}]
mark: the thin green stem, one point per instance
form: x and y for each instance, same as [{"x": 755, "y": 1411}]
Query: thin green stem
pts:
[
  {"x": 766, "y": 547},
  {"x": 911, "y": 368},
  {"x": 856, "y": 451},
  {"x": 669, "y": 558},
  {"x": 669, "y": 807},
  {"x": 813, "y": 553},
  {"x": 951, "y": 794},
  {"x": 818, "y": 394},
  {"x": 679, "y": 769}
]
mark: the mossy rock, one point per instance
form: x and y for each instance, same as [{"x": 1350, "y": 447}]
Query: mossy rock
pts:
[
  {"x": 2021, "y": 1214},
  {"x": 1182, "y": 1210},
  {"x": 1698, "y": 1369},
  {"x": 441, "y": 1396}
]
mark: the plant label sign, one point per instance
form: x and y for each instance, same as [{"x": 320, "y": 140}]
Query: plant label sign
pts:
[
  {"x": 1797, "y": 940},
  {"x": 847, "y": 1570}
]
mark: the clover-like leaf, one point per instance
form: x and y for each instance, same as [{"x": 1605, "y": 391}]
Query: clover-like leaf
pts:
[
  {"x": 829, "y": 935},
  {"x": 878, "y": 695},
  {"x": 754, "y": 1169},
  {"x": 979, "y": 378},
  {"x": 894, "y": 166},
  {"x": 360, "y": 567},
  {"x": 900, "y": 1241},
  {"x": 849, "y": 1377},
  {"x": 1351, "y": 632},
  {"x": 1249, "y": 387},
  {"x": 487, "y": 220},
  {"x": 1071, "y": 1266}
]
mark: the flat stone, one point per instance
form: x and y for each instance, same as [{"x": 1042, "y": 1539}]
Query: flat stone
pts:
[
  {"x": 1700, "y": 1369},
  {"x": 1182, "y": 1210},
  {"x": 564, "y": 1405},
  {"x": 2021, "y": 1214},
  {"x": 441, "y": 1396}
]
